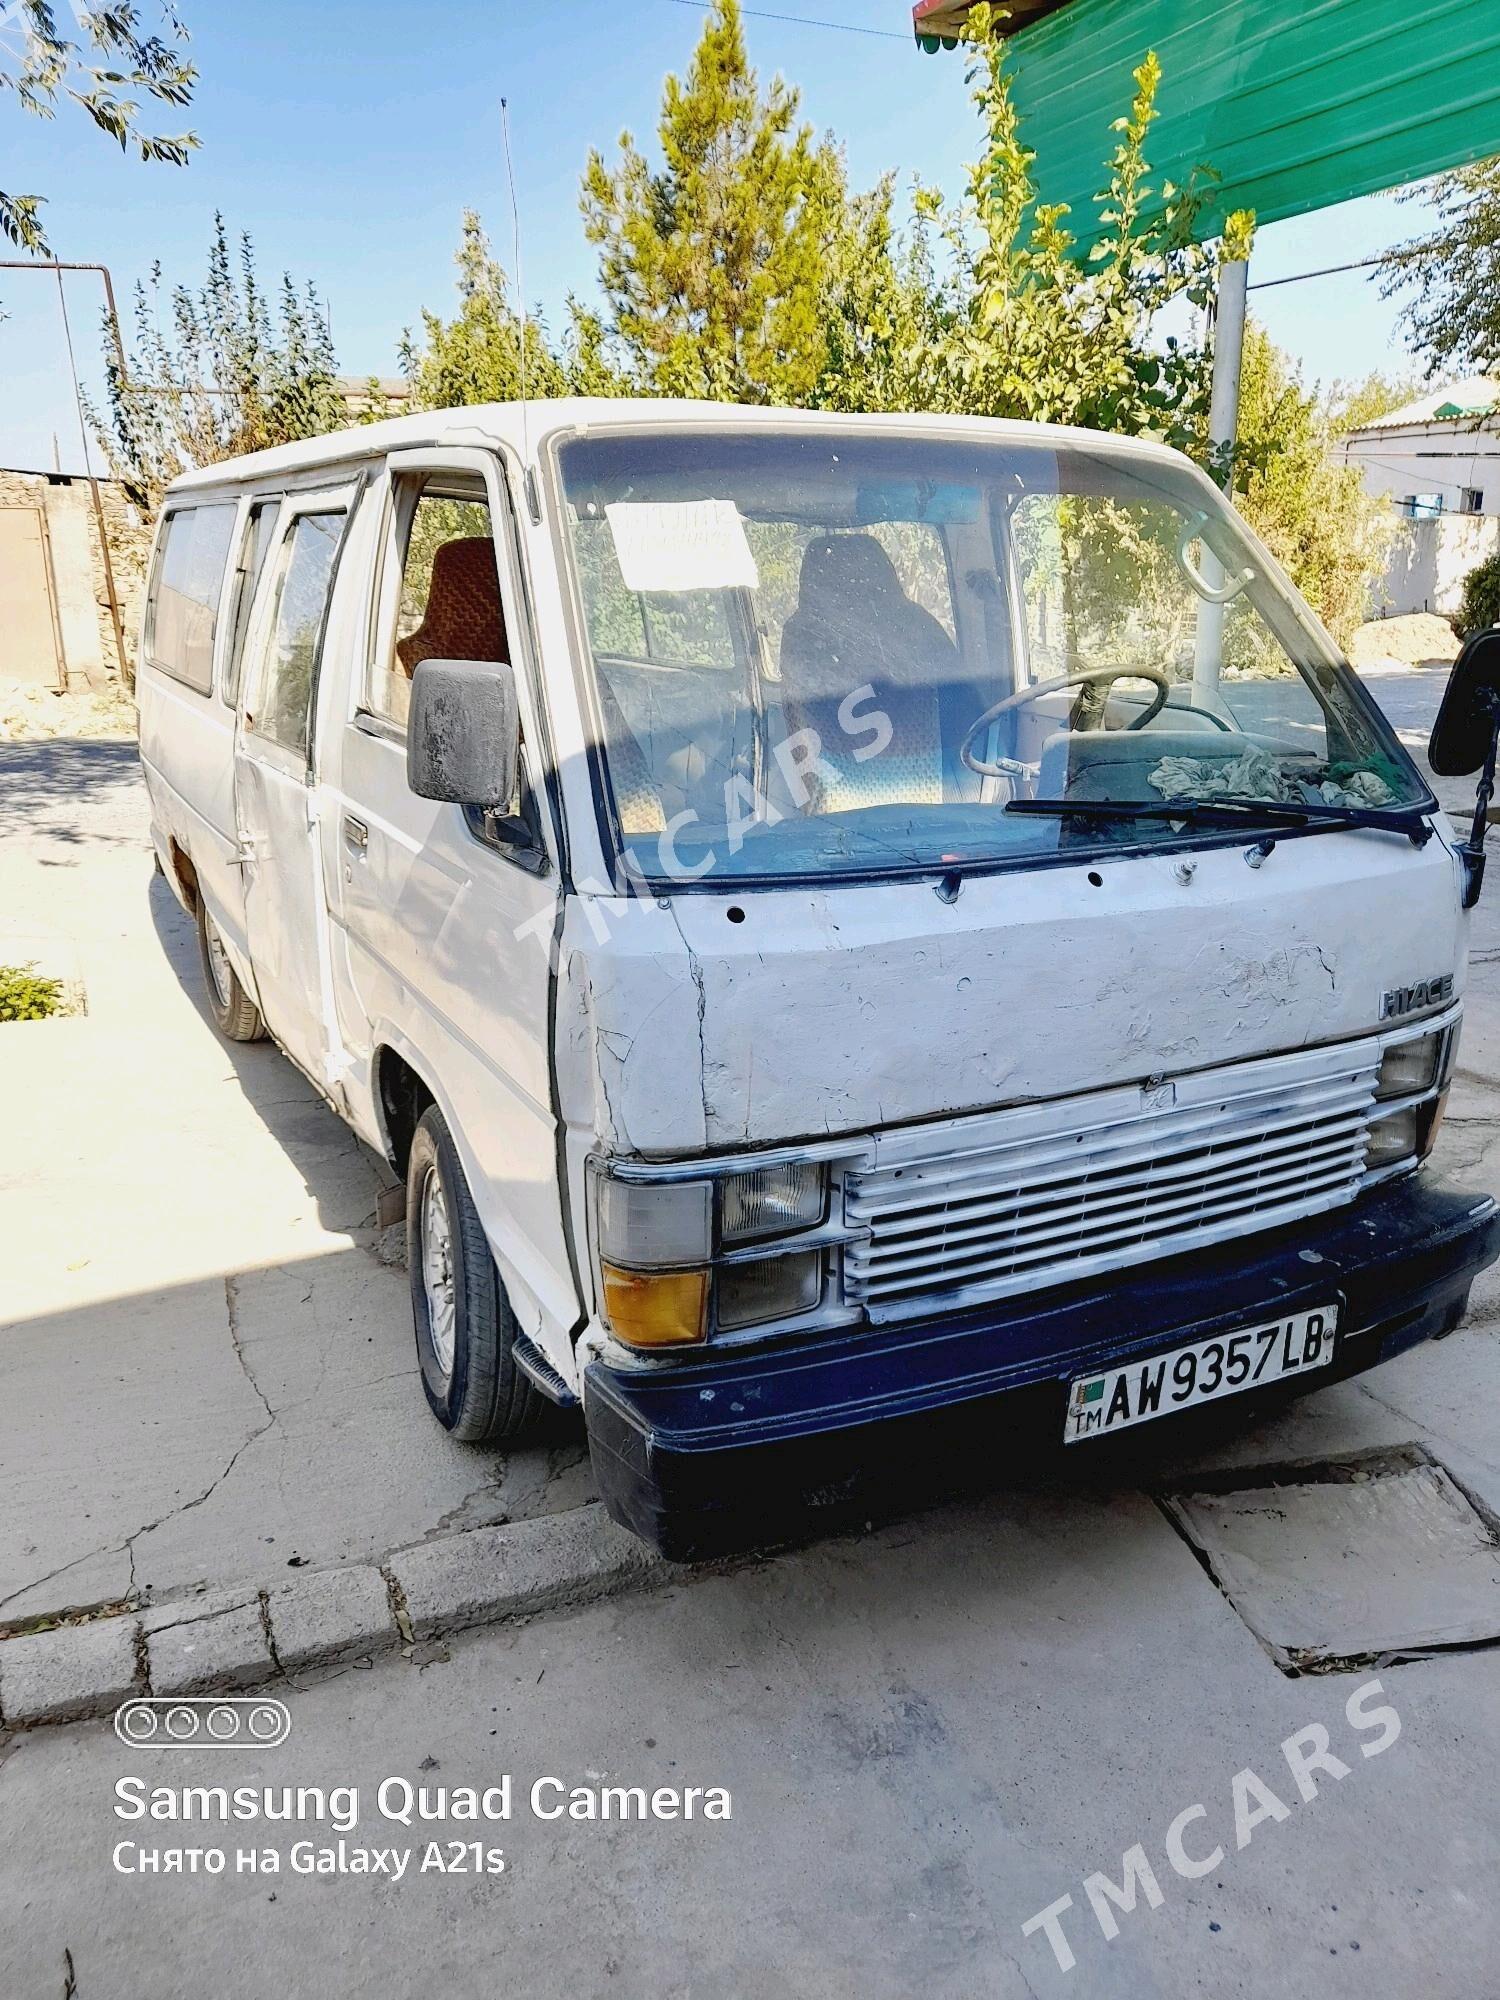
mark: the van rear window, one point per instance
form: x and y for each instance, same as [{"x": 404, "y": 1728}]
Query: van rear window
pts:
[{"x": 183, "y": 608}]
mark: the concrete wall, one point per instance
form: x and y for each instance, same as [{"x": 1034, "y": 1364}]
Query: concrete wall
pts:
[
  {"x": 1442, "y": 458},
  {"x": 1429, "y": 561},
  {"x": 88, "y": 641}
]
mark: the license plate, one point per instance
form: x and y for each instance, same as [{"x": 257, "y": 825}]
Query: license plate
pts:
[{"x": 1101, "y": 1404}]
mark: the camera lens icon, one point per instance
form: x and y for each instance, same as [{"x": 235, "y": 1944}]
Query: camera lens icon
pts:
[{"x": 205, "y": 1722}]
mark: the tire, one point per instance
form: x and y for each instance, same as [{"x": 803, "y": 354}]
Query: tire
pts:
[
  {"x": 235, "y": 1014},
  {"x": 465, "y": 1328}
]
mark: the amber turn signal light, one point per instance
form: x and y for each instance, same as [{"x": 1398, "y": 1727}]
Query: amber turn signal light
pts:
[{"x": 656, "y": 1308}]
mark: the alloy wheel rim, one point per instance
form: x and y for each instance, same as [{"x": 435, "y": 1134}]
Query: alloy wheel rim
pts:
[
  {"x": 218, "y": 960},
  {"x": 437, "y": 1271}
]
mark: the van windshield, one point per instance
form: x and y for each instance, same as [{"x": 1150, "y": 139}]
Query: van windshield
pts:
[{"x": 835, "y": 653}]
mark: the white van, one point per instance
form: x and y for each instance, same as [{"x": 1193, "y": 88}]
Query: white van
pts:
[{"x": 832, "y": 917}]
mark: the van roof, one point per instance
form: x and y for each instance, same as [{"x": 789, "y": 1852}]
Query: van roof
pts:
[{"x": 487, "y": 424}]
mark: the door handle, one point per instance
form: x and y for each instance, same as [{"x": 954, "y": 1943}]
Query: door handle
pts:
[{"x": 356, "y": 833}]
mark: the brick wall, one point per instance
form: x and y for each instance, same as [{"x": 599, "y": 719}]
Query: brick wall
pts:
[{"x": 130, "y": 549}]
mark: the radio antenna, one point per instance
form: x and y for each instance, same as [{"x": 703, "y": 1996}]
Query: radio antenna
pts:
[{"x": 532, "y": 497}]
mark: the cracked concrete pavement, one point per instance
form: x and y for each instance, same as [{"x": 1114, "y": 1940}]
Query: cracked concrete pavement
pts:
[
  {"x": 206, "y": 1370},
  {"x": 932, "y": 1732}
]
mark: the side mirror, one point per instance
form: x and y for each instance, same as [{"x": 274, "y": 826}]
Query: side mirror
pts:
[
  {"x": 463, "y": 733},
  {"x": 1465, "y": 739},
  {"x": 1465, "y": 726}
]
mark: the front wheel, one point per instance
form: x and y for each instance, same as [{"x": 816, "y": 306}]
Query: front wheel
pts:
[
  {"x": 235, "y": 1014},
  {"x": 465, "y": 1328}
]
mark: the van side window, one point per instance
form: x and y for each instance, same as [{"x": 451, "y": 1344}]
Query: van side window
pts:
[
  {"x": 449, "y": 606},
  {"x": 256, "y": 547},
  {"x": 303, "y": 583},
  {"x": 182, "y": 608}
]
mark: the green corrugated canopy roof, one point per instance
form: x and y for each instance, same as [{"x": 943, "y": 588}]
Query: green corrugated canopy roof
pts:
[{"x": 1298, "y": 103}]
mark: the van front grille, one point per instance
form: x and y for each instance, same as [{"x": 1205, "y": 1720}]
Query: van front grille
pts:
[{"x": 1015, "y": 1201}]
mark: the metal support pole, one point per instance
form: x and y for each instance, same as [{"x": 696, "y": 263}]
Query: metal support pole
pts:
[
  {"x": 1229, "y": 353},
  {"x": 52, "y": 264},
  {"x": 101, "y": 527},
  {"x": 1223, "y": 428}
]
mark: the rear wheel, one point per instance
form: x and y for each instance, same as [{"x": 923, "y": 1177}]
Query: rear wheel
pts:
[
  {"x": 235, "y": 1013},
  {"x": 465, "y": 1328}
]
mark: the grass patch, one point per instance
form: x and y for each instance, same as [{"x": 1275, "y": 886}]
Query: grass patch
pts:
[{"x": 28, "y": 995}]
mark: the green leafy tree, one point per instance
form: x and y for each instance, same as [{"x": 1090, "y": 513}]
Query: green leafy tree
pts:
[
  {"x": 475, "y": 357},
  {"x": 882, "y": 309},
  {"x": 1352, "y": 405},
  {"x": 118, "y": 64},
  {"x": 1480, "y": 608},
  {"x": 213, "y": 372},
  {"x": 711, "y": 264},
  {"x": 746, "y": 269},
  {"x": 1454, "y": 271},
  {"x": 1314, "y": 514},
  {"x": 1031, "y": 328}
]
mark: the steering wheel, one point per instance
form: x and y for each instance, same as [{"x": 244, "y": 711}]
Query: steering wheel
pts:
[{"x": 1090, "y": 677}]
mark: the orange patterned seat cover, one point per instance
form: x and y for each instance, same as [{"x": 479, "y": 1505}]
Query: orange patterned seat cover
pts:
[{"x": 463, "y": 619}]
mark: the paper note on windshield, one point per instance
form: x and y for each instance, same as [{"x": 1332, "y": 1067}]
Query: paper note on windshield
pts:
[{"x": 682, "y": 545}]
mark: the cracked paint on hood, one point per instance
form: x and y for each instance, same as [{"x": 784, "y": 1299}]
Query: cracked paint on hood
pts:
[{"x": 834, "y": 1009}]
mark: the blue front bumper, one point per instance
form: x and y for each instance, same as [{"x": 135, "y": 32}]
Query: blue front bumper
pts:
[{"x": 675, "y": 1446}]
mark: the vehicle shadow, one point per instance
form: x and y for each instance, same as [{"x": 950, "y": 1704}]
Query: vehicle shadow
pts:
[
  {"x": 69, "y": 790},
  {"x": 1010, "y": 1446},
  {"x": 349, "y": 1184},
  {"x": 344, "y": 1177}
]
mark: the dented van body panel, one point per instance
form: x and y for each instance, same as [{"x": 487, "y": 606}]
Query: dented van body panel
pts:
[
  {"x": 1026, "y": 987},
  {"x": 763, "y": 1026}
]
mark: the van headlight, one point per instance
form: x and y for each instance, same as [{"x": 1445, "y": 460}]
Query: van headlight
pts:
[
  {"x": 1414, "y": 1076},
  {"x": 671, "y": 1253},
  {"x": 1392, "y": 1139},
  {"x": 649, "y": 1225},
  {"x": 1411, "y": 1066},
  {"x": 772, "y": 1201}
]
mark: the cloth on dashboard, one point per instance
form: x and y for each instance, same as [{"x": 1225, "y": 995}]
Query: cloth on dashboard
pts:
[{"x": 1257, "y": 774}]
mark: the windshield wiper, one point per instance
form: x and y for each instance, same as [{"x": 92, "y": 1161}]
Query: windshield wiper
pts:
[{"x": 1229, "y": 810}]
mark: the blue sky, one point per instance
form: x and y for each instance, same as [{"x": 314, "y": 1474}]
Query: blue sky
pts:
[{"x": 347, "y": 139}]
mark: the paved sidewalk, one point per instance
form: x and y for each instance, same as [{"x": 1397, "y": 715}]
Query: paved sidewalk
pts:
[
  {"x": 930, "y": 1735},
  {"x": 932, "y": 1731},
  {"x": 206, "y": 1373}
]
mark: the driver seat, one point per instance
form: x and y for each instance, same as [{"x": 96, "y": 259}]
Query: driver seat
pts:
[{"x": 853, "y": 625}]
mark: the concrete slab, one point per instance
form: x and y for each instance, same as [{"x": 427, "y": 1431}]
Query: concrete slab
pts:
[
  {"x": 98, "y": 1439},
  {"x": 330, "y": 1614},
  {"x": 219, "y": 1648},
  {"x": 190, "y": 1609},
  {"x": 495, "y": 1572},
  {"x": 1377, "y": 1554},
  {"x": 72, "y": 1670},
  {"x": 929, "y": 1735}
]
